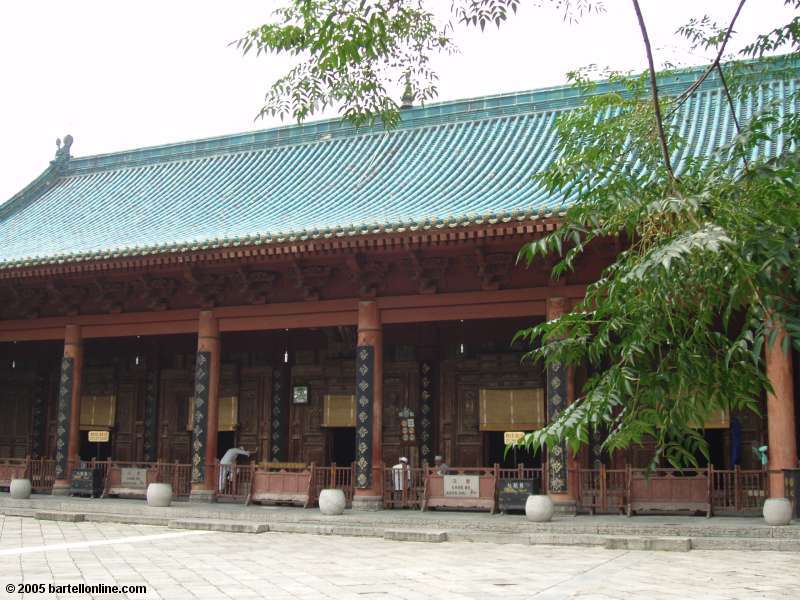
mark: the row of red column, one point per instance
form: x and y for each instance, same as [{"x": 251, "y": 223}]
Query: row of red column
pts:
[{"x": 780, "y": 405}]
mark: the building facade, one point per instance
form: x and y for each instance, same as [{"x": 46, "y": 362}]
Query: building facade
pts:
[{"x": 317, "y": 294}]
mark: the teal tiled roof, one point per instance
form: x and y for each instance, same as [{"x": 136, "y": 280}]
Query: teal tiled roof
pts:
[{"x": 446, "y": 165}]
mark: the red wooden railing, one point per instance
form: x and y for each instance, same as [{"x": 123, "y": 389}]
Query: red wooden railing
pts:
[
  {"x": 708, "y": 490},
  {"x": 404, "y": 488},
  {"x": 332, "y": 477}
]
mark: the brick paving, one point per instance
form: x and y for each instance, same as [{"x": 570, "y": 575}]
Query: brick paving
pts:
[{"x": 189, "y": 564}]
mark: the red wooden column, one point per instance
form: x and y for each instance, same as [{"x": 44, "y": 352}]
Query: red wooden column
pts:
[
  {"x": 69, "y": 409},
  {"x": 780, "y": 414},
  {"x": 561, "y": 464},
  {"x": 206, "y": 408},
  {"x": 369, "y": 408}
]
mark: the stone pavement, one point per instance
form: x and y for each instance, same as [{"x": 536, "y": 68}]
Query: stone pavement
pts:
[
  {"x": 208, "y": 565},
  {"x": 721, "y": 533}
]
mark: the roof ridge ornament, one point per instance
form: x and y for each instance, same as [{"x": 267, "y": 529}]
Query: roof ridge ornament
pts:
[
  {"x": 62, "y": 152},
  {"x": 407, "y": 100}
]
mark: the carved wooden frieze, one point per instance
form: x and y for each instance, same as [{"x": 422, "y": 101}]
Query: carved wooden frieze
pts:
[
  {"x": 68, "y": 298},
  {"x": 255, "y": 285},
  {"x": 157, "y": 291},
  {"x": 209, "y": 288},
  {"x": 494, "y": 269},
  {"x": 427, "y": 271},
  {"x": 368, "y": 275},
  {"x": 28, "y": 302},
  {"x": 311, "y": 279},
  {"x": 112, "y": 294}
]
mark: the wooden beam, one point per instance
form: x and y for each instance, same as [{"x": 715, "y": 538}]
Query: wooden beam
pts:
[{"x": 291, "y": 315}]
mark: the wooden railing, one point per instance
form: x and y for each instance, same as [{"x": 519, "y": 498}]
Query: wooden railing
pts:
[
  {"x": 403, "y": 488},
  {"x": 283, "y": 484},
  {"x": 602, "y": 490},
  {"x": 42, "y": 473},
  {"x": 707, "y": 490},
  {"x": 234, "y": 482},
  {"x": 13, "y": 468},
  {"x": 333, "y": 477}
]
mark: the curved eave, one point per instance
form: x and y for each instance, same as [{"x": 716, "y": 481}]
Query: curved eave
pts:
[{"x": 294, "y": 244}]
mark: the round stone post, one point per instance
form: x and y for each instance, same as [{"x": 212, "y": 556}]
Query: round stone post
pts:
[
  {"x": 68, "y": 428},
  {"x": 561, "y": 464},
  {"x": 206, "y": 408},
  {"x": 780, "y": 414},
  {"x": 369, "y": 408}
]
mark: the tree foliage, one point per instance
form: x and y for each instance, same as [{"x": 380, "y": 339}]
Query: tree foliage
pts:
[
  {"x": 709, "y": 261},
  {"x": 353, "y": 53}
]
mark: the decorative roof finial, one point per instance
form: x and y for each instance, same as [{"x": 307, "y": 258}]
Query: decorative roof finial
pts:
[
  {"x": 407, "y": 101},
  {"x": 62, "y": 154}
]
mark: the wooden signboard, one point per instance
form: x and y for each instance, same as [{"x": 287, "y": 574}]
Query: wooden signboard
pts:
[
  {"x": 86, "y": 482},
  {"x": 461, "y": 486},
  {"x": 98, "y": 437},
  {"x": 512, "y": 494}
]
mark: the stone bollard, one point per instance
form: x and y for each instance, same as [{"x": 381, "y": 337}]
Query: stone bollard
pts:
[
  {"x": 777, "y": 511},
  {"x": 332, "y": 502},
  {"x": 539, "y": 508},
  {"x": 20, "y": 489},
  {"x": 159, "y": 494}
]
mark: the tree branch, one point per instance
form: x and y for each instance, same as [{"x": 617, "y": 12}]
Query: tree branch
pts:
[
  {"x": 654, "y": 88},
  {"x": 688, "y": 91}
]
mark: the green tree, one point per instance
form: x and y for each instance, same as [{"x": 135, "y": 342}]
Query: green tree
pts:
[{"x": 710, "y": 262}]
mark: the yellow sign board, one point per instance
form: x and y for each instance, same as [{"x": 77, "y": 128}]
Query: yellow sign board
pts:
[
  {"x": 512, "y": 437},
  {"x": 98, "y": 436}
]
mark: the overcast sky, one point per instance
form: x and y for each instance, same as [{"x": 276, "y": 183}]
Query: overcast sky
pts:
[{"x": 119, "y": 74}]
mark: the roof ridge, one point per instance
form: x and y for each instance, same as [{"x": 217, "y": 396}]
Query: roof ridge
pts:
[{"x": 559, "y": 97}]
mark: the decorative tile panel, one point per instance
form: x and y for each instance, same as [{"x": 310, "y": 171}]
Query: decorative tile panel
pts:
[
  {"x": 37, "y": 422},
  {"x": 280, "y": 402},
  {"x": 365, "y": 364},
  {"x": 426, "y": 378},
  {"x": 556, "y": 400},
  {"x": 151, "y": 416},
  {"x": 62, "y": 420},
  {"x": 200, "y": 417}
]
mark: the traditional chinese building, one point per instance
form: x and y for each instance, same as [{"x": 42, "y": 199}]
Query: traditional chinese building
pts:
[{"x": 318, "y": 294}]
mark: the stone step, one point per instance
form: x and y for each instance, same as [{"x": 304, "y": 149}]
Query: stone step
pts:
[
  {"x": 746, "y": 544},
  {"x": 57, "y": 515},
  {"x": 317, "y": 529},
  {"x": 664, "y": 544},
  {"x": 415, "y": 535},
  {"x": 219, "y": 525},
  {"x": 566, "y": 539}
]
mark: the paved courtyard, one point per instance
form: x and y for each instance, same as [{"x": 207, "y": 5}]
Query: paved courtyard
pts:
[{"x": 193, "y": 564}]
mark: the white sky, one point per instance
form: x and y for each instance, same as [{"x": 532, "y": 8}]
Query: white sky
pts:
[{"x": 121, "y": 74}]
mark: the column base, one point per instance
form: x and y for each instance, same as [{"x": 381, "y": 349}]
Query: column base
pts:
[
  {"x": 367, "y": 503},
  {"x": 200, "y": 495},
  {"x": 61, "y": 487}
]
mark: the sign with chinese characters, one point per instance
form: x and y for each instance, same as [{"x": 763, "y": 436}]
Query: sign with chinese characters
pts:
[
  {"x": 98, "y": 437},
  {"x": 300, "y": 394},
  {"x": 134, "y": 478},
  {"x": 512, "y": 437},
  {"x": 461, "y": 486},
  {"x": 512, "y": 494}
]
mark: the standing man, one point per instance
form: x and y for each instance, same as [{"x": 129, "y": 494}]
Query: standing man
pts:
[{"x": 226, "y": 465}]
